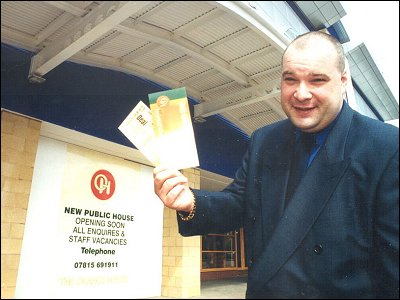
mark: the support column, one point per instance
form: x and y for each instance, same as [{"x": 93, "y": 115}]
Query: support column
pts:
[
  {"x": 19, "y": 141},
  {"x": 181, "y": 255}
]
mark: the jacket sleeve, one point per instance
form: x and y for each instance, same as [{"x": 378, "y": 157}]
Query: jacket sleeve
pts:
[{"x": 220, "y": 212}]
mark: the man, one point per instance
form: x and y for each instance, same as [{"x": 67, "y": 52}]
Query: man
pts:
[{"x": 334, "y": 233}]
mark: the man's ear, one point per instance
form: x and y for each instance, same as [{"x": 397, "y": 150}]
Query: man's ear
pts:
[
  {"x": 346, "y": 84},
  {"x": 346, "y": 78}
]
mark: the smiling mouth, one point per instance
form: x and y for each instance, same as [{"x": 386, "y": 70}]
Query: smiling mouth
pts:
[{"x": 304, "y": 108}]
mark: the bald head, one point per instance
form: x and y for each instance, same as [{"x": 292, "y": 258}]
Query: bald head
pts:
[{"x": 310, "y": 39}]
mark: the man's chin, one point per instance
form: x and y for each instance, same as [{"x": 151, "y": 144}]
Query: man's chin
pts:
[{"x": 305, "y": 125}]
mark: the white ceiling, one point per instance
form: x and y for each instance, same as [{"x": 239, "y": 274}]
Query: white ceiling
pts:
[
  {"x": 226, "y": 55},
  {"x": 223, "y": 53}
]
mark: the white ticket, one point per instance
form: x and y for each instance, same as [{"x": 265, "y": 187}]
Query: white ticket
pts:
[{"x": 138, "y": 128}]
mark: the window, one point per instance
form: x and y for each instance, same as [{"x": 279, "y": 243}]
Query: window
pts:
[{"x": 222, "y": 251}]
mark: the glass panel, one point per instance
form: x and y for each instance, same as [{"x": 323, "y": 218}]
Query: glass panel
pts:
[
  {"x": 218, "y": 243},
  {"x": 218, "y": 260},
  {"x": 219, "y": 251}
]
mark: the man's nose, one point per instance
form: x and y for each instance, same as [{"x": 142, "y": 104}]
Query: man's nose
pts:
[{"x": 302, "y": 92}]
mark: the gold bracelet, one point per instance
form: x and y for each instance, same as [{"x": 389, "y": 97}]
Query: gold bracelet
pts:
[{"x": 192, "y": 211}]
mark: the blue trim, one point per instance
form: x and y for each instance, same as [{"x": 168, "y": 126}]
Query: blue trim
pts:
[
  {"x": 333, "y": 32},
  {"x": 338, "y": 31}
]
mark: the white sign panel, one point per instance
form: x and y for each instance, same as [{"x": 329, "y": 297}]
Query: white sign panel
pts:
[{"x": 93, "y": 227}]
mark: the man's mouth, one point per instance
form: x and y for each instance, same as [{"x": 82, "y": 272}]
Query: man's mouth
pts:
[
  {"x": 303, "y": 111},
  {"x": 303, "y": 108}
]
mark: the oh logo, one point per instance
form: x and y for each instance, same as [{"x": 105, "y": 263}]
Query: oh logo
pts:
[{"x": 103, "y": 184}]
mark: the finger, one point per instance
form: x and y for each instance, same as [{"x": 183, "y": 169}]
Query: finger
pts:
[
  {"x": 170, "y": 183},
  {"x": 179, "y": 198},
  {"x": 164, "y": 174},
  {"x": 171, "y": 199},
  {"x": 158, "y": 169}
]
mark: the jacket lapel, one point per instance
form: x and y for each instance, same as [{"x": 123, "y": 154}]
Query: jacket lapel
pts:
[{"x": 312, "y": 194}]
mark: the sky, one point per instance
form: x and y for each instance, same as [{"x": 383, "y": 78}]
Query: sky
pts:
[{"x": 376, "y": 24}]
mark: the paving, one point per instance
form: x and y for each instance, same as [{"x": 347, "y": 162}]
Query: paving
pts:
[{"x": 231, "y": 288}]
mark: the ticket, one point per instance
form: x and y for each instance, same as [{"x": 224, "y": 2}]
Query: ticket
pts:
[
  {"x": 138, "y": 128},
  {"x": 173, "y": 129}
]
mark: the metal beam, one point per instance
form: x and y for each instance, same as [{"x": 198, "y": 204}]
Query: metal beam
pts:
[
  {"x": 95, "y": 24},
  {"x": 218, "y": 87},
  {"x": 105, "y": 39},
  {"x": 206, "y": 109},
  {"x": 207, "y": 17},
  {"x": 227, "y": 38},
  {"x": 102, "y": 61},
  {"x": 53, "y": 27},
  {"x": 266, "y": 72},
  {"x": 275, "y": 105},
  {"x": 159, "y": 36},
  {"x": 146, "y": 48},
  {"x": 251, "y": 56},
  {"x": 172, "y": 63},
  {"x": 67, "y": 7},
  {"x": 198, "y": 76}
]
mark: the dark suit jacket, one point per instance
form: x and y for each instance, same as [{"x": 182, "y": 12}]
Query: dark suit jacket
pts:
[{"x": 338, "y": 236}]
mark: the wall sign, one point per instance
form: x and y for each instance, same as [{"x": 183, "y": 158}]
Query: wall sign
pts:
[{"x": 88, "y": 233}]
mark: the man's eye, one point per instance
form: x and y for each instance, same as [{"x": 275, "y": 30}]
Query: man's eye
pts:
[
  {"x": 318, "y": 80},
  {"x": 289, "y": 79}
]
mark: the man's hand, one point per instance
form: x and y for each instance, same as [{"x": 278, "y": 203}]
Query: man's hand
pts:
[{"x": 173, "y": 189}]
